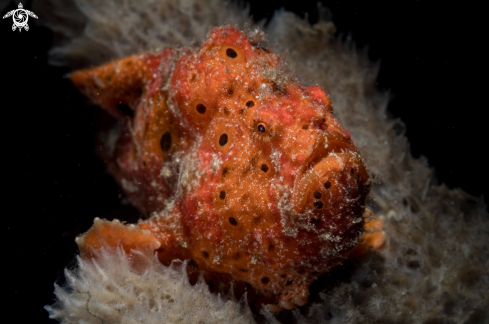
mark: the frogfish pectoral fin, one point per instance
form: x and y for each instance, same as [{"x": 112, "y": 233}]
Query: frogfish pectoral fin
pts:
[
  {"x": 113, "y": 234},
  {"x": 116, "y": 86},
  {"x": 374, "y": 236},
  {"x": 142, "y": 237}
]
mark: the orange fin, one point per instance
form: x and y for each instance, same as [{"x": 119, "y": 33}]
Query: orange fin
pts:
[
  {"x": 116, "y": 86},
  {"x": 114, "y": 234},
  {"x": 373, "y": 237}
]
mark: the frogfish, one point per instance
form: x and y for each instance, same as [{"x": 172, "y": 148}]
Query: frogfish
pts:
[{"x": 236, "y": 166}]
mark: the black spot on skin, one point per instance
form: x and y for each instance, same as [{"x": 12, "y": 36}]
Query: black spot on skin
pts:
[
  {"x": 205, "y": 254},
  {"x": 261, "y": 128},
  {"x": 352, "y": 171},
  {"x": 271, "y": 247},
  {"x": 265, "y": 280},
  {"x": 243, "y": 270},
  {"x": 327, "y": 185},
  {"x": 129, "y": 63},
  {"x": 241, "y": 111},
  {"x": 237, "y": 256},
  {"x": 301, "y": 271},
  {"x": 211, "y": 285},
  {"x": 165, "y": 142},
  {"x": 231, "y": 53},
  {"x": 108, "y": 78},
  {"x": 125, "y": 109},
  {"x": 224, "y": 172},
  {"x": 222, "y": 194},
  {"x": 305, "y": 127},
  {"x": 283, "y": 275},
  {"x": 233, "y": 221},
  {"x": 248, "y": 285},
  {"x": 250, "y": 104},
  {"x": 318, "y": 204},
  {"x": 201, "y": 109},
  {"x": 192, "y": 264},
  {"x": 289, "y": 282},
  {"x": 226, "y": 111},
  {"x": 230, "y": 91},
  {"x": 317, "y": 195},
  {"x": 264, "y": 167},
  {"x": 223, "y": 139},
  {"x": 144, "y": 163}
]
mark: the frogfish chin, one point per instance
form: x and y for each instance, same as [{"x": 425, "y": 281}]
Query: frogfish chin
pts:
[{"x": 238, "y": 168}]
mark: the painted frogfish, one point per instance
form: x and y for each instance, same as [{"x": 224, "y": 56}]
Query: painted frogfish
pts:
[{"x": 236, "y": 166}]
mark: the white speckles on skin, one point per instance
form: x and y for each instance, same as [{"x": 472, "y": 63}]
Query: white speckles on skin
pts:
[
  {"x": 165, "y": 171},
  {"x": 330, "y": 238},
  {"x": 276, "y": 154},
  {"x": 190, "y": 170},
  {"x": 129, "y": 186},
  {"x": 215, "y": 163}
]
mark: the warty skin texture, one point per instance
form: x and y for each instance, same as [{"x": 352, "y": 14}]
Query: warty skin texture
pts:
[{"x": 242, "y": 170}]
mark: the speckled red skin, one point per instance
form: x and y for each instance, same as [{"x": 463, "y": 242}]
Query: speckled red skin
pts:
[{"x": 272, "y": 209}]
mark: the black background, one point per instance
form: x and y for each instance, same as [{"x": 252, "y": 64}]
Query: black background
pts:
[{"x": 431, "y": 61}]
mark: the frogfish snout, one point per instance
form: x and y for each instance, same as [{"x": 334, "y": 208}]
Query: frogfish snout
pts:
[{"x": 335, "y": 182}]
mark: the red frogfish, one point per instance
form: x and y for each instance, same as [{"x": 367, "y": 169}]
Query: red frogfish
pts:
[{"x": 238, "y": 168}]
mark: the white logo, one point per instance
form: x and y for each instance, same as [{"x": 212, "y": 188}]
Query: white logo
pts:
[{"x": 20, "y": 17}]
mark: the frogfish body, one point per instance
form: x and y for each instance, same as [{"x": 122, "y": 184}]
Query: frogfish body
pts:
[{"x": 238, "y": 167}]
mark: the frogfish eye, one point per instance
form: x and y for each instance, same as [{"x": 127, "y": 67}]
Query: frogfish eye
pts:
[{"x": 261, "y": 128}]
